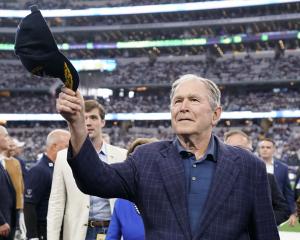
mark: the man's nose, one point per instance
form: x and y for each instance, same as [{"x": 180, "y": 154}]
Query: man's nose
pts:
[
  {"x": 87, "y": 121},
  {"x": 184, "y": 105}
]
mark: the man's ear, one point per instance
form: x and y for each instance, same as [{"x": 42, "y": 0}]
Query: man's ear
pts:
[
  {"x": 103, "y": 122},
  {"x": 216, "y": 116}
]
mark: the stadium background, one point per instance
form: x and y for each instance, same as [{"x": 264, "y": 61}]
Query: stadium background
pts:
[{"x": 251, "y": 52}]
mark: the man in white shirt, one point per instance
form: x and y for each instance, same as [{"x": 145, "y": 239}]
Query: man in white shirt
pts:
[{"x": 82, "y": 217}]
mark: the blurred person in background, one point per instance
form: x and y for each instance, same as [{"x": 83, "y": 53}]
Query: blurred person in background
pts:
[
  {"x": 81, "y": 216},
  {"x": 18, "y": 154},
  {"x": 280, "y": 206},
  {"x": 194, "y": 187},
  {"x": 126, "y": 222},
  {"x": 14, "y": 169},
  {"x": 8, "y": 210},
  {"x": 266, "y": 150},
  {"x": 38, "y": 185}
]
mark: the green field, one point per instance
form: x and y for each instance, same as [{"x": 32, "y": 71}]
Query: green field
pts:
[{"x": 286, "y": 228}]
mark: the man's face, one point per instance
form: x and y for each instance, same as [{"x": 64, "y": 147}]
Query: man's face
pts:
[
  {"x": 12, "y": 147},
  {"x": 266, "y": 149},
  {"x": 4, "y": 139},
  {"x": 239, "y": 141},
  {"x": 190, "y": 109},
  {"x": 94, "y": 123}
]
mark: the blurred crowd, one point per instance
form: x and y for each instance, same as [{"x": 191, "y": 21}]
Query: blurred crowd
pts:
[
  {"x": 157, "y": 100},
  {"x": 163, "y": 71},
  {"x": 287, "y": 136}
]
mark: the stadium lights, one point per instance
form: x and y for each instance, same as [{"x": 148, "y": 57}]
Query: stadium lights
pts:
[
  {"x": 96, "y": 64},
  {"x": 154, "y": 116},
  {"x": 99, "y": 92},
  {"x": 161, "y": 8},
  {"x": 233, "y": 39}
]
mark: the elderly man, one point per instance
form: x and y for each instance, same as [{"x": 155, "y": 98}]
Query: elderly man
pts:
[
  {"x": 194, "y": 187},
  {"x": 38, "y": 185},
  {"x": 14, "y": 170}
]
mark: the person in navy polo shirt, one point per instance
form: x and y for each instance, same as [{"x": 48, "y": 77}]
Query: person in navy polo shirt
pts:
[
  {"x": 192, "y": 187},
  {"x": 38, "y": 185}
]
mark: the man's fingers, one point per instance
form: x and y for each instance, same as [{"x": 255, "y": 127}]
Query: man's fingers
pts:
[
  {"x": 68, "y": 91},
  {"x": 68, "y": 101},
  {"x": 66, "y": 106},
  {"x": 4, "y": 233},
  {"x": 69, "y": 97}
]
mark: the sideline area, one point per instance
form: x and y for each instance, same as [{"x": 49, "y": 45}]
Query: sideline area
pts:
[{"x": 289, "y": 235}]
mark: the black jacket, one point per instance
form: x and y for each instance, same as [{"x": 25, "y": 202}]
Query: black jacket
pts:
[{"x": 280, "y": 205}]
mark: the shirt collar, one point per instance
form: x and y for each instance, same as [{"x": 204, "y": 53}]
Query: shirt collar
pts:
[
  {"x": 210, "y": 154},
  {"x": 2, "y": 162},
  {"x": 271, "y": 163},
  {"x": 2, "y": 157},
  {"x": 103, "y": 150},
  {"x": 47, "y": 161}
]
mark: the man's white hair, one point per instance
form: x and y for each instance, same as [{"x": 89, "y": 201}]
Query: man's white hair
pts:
[{"x": 214, "y": 96}]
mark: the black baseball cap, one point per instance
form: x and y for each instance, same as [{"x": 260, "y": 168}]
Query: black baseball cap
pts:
[{"x": 38, "y": 52}]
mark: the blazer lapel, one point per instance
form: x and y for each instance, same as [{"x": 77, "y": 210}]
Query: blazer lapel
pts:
[
  {"x": 276, "y": 168},
  {"x": 222, "y": 184},
  {"x": 172, "y": 172}
]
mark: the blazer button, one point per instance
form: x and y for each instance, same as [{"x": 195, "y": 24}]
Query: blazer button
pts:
[{"x": 88, "y": 206}]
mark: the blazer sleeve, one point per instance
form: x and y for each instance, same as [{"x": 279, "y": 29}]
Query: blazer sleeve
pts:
[
  {"x": 280, "y": 206},
  {"x": 116, "y": 180},
  {"x": 2, "y": 218},
  {"x": 262, "y": 208},
  {"x": 57, "y": 200},
  {"x": 114, "y": 231},
  {"x": 297, "y": 186}
]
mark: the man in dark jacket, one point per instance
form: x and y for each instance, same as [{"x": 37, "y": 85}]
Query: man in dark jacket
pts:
[
  {"x": 7, "y": 193},
  {"x": 194, "y": 187},
  {"x": 38, "y": 185}
]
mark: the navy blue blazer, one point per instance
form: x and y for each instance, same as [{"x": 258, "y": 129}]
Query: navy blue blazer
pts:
[
  {"x": 280, "y": 205},
  {"x": 281, "y": 174},
  {"x": 238, "y": 205},
  {"x": 7, "y": 200}
]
